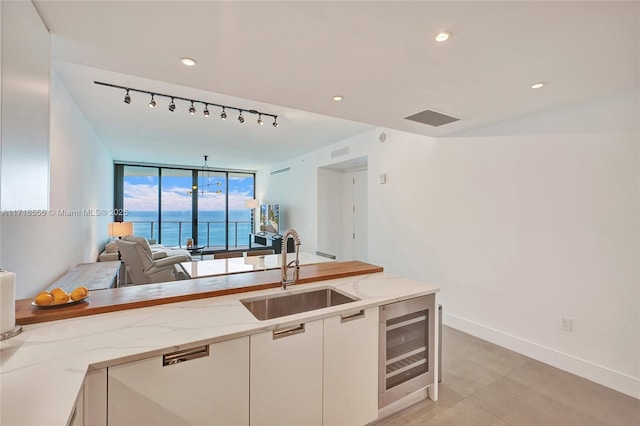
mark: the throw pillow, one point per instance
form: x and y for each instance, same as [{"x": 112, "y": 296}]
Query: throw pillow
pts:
[{"x": 111, "y": 247}]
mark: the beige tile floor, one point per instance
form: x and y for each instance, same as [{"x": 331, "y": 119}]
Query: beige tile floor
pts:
[{"x": 485, "y": 384}]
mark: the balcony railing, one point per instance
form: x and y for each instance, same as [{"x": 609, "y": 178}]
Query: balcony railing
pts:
[{"x": 210, "y": 233}]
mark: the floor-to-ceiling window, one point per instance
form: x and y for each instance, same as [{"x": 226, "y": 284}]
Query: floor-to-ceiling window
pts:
[
  {"x": 172, "y": 204},
  {"x": 140, "y": 194},
  {"x": 241, "y": 187},
  {"x": 175, "y": 206},
  {"x": 212, "y": 209}
]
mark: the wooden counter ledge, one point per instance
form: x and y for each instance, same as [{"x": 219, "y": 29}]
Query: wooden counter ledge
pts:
[{"x": 118, "y": 299}]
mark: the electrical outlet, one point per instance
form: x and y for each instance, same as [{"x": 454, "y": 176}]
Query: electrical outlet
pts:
[{"x": 565, "y": 324}]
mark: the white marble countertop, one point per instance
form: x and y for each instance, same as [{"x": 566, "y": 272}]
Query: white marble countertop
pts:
[{"x": 42, "y": 369}]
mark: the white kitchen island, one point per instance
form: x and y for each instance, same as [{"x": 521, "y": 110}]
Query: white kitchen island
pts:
[{"x": 44, "y": 369}]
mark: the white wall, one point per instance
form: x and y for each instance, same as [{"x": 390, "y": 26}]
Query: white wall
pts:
[
  {"x": 25, "y": 97},
  {"x": 519, "y": 224},
  {"x": 330, "y": 212},
  {"x": 41, "y": 249},
  {"x": 296, "y": 193}
]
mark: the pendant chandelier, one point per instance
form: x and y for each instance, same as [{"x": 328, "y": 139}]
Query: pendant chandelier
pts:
[{"x": 204, "y": 181}]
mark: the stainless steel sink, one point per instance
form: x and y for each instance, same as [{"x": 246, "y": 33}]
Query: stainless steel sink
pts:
[{"x": 280, "y": 305}]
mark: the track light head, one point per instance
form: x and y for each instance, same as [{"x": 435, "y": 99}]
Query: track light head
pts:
[
  {"x": 223, "y": 114},
  {"x": 152, "y": 104},
  {"x": 275, "y": 121},
  {"x": 192, "y": 109},
  {"x": 260, "y": 119},
  {"x": 127, "y": 98},
  {"x": 240, "y": 117},
  {"x": 206, "y": 110},
  {"x": 172, "y": 106}
]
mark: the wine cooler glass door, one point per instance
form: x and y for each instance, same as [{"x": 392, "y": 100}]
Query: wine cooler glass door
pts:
[{"x": 406, "y": 334}]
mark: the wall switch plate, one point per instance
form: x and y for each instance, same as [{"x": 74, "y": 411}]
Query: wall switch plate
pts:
[
  {"x": 383, "y": 178},
  {"x": 565, "y": 324}
]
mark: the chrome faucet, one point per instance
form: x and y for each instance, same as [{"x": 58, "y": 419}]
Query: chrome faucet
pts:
[{"x": 296, "y": 264}]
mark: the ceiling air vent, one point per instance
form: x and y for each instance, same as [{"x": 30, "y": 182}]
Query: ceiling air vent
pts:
[
  {"x": 275, "y": 172},
  {"x": 340, "y": 152},
  {"x": 432, "y": 118}
]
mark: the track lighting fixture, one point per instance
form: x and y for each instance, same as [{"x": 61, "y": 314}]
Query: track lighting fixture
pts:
[{"x": 192, "y": 107}]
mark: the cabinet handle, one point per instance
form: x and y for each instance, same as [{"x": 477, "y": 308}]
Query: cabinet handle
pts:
[
  {"x": 186, "y": 355},
  {"x": 345, "y": 318},
  {"x": 279, "y": 334}
]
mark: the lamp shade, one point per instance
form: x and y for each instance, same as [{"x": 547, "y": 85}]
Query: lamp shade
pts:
[
  {"x": 120, "y": 229},
  {"x": 252, "y": 203}
]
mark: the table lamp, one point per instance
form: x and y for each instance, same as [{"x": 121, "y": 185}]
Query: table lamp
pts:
[{"x": 120, "y": 229}]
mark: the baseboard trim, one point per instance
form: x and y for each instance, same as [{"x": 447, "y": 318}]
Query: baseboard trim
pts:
[{"x": 596, "y": 373}]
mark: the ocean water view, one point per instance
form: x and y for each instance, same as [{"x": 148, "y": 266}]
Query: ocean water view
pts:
[{"x": 176, "y": 227}]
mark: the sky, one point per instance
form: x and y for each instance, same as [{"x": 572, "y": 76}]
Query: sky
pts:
[{"x": 141, "y": 193}]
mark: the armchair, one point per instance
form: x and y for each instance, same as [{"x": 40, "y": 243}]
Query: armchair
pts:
[{"x": 145, "y": 267}]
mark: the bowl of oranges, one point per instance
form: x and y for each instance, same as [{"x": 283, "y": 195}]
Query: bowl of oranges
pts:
[{"x": 58, "y": 297}]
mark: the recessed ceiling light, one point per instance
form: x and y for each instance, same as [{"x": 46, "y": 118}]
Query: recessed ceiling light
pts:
[
  {"x": 537, "y": 85},
  {"x": 188, "y": 61},
  {"x": 442, "y": 36},
  {"x": 337, "y": 98}
]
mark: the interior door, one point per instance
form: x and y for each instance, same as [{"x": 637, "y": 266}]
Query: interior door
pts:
[{"x": 360, "y": 215}]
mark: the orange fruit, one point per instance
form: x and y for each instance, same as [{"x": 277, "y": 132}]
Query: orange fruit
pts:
[
  {"x": 78, "y": 294},
  {"x": 43, "y": 299},
  {"x": 56, "y": 290},
  {"x": 86, "y": 290},
  {"x": 60, "y": 297}
]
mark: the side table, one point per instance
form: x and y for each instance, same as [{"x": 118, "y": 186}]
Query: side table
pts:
[{"x": 196, "y": 250}]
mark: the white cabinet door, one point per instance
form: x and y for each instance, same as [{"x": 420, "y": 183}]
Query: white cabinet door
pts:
[
  {"x": 210, "y": 390},
  {"x": 95, "y": 397},
  {"x": 350, "y": 390},
  {"x": 77, "y": 415},
  {"x": 286, "y": 376}
]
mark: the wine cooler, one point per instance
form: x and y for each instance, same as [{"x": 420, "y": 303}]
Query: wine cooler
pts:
[{"x": 406, "y": 336}]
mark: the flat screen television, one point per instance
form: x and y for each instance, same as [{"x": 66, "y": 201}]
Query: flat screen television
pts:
[{"x": 270, "y": 218}]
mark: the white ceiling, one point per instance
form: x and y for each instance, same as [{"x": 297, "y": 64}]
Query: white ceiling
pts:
[{"x": 290, "y": 58}]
